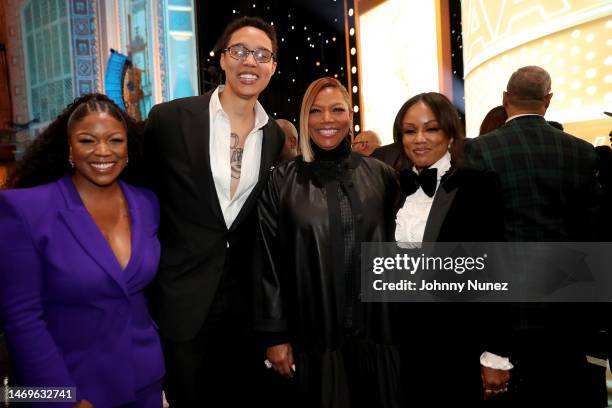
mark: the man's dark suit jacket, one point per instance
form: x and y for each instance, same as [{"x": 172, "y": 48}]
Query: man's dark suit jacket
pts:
[
  {"x": 197, "y": 248},
  {"x": 547, "y": 177},
  {"x": 549, "y": 193}
]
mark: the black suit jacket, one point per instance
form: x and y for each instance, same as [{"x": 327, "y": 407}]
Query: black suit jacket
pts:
[
  {"x": 390, "y": 154},
  {"x": 549, "y": 193},
  {"x": 548, "y": 181},
  {"x": 433, "y": 337},
  {"x": 466, "y": 208},
  {"x": 197, "y": 249}
]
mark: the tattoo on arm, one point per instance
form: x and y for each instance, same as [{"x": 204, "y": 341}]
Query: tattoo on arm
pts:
[{"x": 235, "y": 156}]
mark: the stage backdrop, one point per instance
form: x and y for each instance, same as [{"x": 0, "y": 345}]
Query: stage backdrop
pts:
[{"x": 571, "y": 39}]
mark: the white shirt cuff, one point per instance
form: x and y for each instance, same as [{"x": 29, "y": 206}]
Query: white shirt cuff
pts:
[{"x": 494, "y": 361}]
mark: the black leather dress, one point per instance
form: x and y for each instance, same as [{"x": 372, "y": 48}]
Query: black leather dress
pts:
[{"x": 313, "y": 218}]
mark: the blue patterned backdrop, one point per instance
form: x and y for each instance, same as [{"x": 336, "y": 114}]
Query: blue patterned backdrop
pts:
[{"x": 84, "y": 39}]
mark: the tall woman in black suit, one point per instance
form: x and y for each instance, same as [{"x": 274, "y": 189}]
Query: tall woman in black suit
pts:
[{"x": 445, "y": 202}]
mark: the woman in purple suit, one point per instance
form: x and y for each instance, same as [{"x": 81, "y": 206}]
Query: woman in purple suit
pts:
[{"x": 78, "y": 248}]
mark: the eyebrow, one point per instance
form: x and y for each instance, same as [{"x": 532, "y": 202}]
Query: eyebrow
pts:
[
  {"x": 245, "y": 46},
  {"x": 333, "y": 105},
  {"x": 426, "y": 123}
]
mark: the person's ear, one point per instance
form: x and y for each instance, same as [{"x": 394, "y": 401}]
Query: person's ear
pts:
[{"x": 547, "y": 100}]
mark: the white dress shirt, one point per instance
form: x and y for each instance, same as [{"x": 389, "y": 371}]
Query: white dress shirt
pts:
[
  {"x": 412, "y": 217},
  {"x": 220, "y": 138}
]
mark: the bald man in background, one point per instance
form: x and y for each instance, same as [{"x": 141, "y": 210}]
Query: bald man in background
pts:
[
  {"x": 366, "y": 142},
  {"x": 549, "y": 188},
  {"x": 290, "y": 149}
]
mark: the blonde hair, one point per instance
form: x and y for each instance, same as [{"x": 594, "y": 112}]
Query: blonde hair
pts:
[{"x": 311, "y": 93}]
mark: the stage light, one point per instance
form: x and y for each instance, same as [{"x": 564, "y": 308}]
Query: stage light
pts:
[{"x": 591, "y": 72}]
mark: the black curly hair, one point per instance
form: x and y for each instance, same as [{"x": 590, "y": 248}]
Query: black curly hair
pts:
[{"x": 46, "y": 159}]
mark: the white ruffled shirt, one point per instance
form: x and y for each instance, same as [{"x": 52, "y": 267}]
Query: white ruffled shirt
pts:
[
  {"x": 410, "y": 223},
  {"x": 411, "y": 219}
]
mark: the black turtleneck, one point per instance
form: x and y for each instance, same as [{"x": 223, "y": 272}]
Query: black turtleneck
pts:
[{"x": 337, "y": 153}]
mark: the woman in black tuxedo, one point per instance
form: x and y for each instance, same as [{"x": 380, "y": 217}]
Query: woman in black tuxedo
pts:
[{"x": 445, "y": 202}]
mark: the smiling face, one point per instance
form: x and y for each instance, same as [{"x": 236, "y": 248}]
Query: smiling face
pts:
[
  {"x": 98, "y": 148},
  {"x": 248, "y": 78},
  {"x": 329, "y": 118},
  {"x": 424, "y": 141}
]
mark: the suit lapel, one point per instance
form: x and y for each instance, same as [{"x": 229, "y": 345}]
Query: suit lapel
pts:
[
  {"x": 136, "y": 230},
  {"x": 87, "y": 234},
  {"x": 270, "y": 147},
  {"x": 196, "y": 130},
  {"x": 441, "y": 204}
]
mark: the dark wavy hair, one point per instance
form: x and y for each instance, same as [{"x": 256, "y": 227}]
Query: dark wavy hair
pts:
[
  {"x": 448, "y": 118},
  {"x": 496, "y": 118},
  {"x": 46, "y": 159}
]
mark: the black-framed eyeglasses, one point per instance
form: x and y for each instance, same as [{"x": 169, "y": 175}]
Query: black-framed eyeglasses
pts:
[{"x": 241, "y": 53}]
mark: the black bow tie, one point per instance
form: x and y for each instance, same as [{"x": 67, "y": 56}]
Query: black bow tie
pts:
[{"x": 427, "y": 179}]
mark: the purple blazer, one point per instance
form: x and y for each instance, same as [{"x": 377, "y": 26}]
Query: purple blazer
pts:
[{"x": 71, "y": 315}]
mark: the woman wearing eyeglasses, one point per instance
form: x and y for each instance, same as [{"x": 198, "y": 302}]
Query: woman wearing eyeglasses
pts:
[
  {"x": 209, "y": 158},
  {"x": 445, "y": 202},
  {"x": 313, "y": 216}
]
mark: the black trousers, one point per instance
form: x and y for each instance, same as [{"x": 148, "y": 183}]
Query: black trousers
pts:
[{"x": 222, "y": 366}]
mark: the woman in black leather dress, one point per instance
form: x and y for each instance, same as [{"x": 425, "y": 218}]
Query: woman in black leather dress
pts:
[{"x": 314, "y": 214}]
